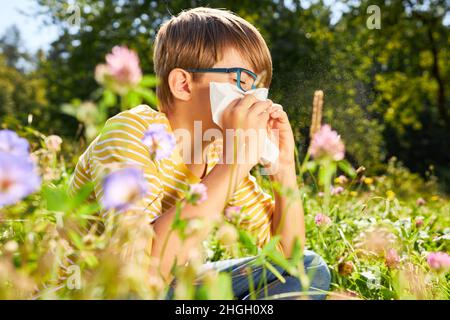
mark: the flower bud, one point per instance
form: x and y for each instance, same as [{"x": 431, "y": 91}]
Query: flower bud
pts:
[
  {"x": 53, "y": 143},
  {"x": 227, "y": 235}
]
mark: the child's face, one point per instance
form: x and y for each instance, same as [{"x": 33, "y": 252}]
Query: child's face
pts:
[{"x": 200, "y": 88}]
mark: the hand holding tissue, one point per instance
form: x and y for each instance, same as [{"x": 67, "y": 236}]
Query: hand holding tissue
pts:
[{"x": 222, "y": 94}]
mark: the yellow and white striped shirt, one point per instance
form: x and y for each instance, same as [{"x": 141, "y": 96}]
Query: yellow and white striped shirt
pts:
[{"x": 166, "y": 178}]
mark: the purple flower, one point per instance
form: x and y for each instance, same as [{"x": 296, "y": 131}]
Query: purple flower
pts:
[
  {"x": 419, "y": 222},
  {"x": 122, "y": 188},
  {"x": 326, "y": 143},
  {"x": 337, "y": 190},
  {"x": 232, "y": 212},
  {"x": 18, "y": 178},
  {"x": 53, "y": 143},
  {"x": 197, "y": 193},
  {"x": 123, "y": 64},
  {"x": 159, "y": 142},
  {"x": 438, "y": 261},
  {"x": 11, "y": 143},
  {"x": 392, "y": 259},
  {"x": 121, "y": 70},
  {"x": 322, "y": 220},
  {"x": 420, "y": 201},
  {"x": 341, "y": 179}
]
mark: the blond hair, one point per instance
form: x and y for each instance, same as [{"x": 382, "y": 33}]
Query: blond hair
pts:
[{"x": 197, "y": 38}]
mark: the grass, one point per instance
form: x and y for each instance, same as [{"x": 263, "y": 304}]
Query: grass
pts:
[
  {"x": 375, "y": 233},
  {"x": 46, "y": 254}
]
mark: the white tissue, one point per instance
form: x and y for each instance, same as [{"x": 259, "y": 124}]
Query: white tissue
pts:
[{"x": 222, "y": 94}]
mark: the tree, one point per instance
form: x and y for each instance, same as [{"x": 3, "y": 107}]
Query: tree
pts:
[
  {"x": 22, "y": 93},
  {"x": 403, "y": 71},
  {"x": 386, "y": 90}
]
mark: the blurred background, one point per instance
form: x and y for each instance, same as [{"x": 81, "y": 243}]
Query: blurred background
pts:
[{"x": 385, "y": 78}]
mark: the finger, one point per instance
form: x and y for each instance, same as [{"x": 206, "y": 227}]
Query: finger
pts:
[
  {"x": 276, "y": 106},
  {"x": 260, "y": 107},
  {"x": 246, "y": 102},
  {"x": 233, "y": 104},
  {"x": 231, "y": 107},
  {"x": 275, "y": 114},
  {"x": 279, "y": 115},
  {"x": 284, "y": 117},
  {"x": 264, "y": 117}
]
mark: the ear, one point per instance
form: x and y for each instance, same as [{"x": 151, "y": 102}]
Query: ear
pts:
[{"x": 180, "y": 84}]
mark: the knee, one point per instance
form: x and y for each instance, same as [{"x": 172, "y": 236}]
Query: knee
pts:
[{"x": 318, "y": 270}]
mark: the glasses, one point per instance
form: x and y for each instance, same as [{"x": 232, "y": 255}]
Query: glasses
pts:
[{"x": 248, "y": 82}]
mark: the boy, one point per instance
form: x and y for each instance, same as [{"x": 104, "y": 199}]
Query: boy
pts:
[{"x": 185, "y": 46}]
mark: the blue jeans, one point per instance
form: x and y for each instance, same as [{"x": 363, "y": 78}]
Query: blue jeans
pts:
[{"x": 315, "y": 268}]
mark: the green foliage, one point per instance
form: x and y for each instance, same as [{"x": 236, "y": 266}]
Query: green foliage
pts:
[
  {"x": 399, "y": 75},
  {"x": 385, "y": 93},
  {"x": 21, "y": 95},
  {"x": 52, "y": 247}
]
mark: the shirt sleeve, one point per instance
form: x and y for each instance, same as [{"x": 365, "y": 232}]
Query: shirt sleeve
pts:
[
  {"x": 118, "y": 146},
  {"x": 257, "y": 209}
]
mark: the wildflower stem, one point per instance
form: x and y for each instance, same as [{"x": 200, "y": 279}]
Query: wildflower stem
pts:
[{"x": 172, "y": 228}]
